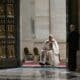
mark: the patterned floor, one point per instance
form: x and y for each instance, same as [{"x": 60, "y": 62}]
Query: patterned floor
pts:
[
  {"x": 33, "y": 64},
  {"x": 38, "y": 74}
]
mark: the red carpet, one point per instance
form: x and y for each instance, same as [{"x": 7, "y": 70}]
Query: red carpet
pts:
[{"x": 33, "y": 64}]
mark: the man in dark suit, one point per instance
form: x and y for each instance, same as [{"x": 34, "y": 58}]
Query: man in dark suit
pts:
[{"x": 73, "y": 45}]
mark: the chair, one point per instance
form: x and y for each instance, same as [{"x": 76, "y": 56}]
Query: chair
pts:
[
  {"x": 28, "y": 55},
  {"x": 36, "y": 54}
]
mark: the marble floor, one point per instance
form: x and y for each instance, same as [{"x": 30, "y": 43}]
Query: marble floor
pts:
[{"x": 38, "y": 74}]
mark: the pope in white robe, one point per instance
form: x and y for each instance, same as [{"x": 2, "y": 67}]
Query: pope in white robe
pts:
[{"x": 50, "y": 52}]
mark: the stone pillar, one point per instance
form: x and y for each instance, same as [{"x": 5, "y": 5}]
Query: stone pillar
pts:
[
  {"x": 26, "y": 14},
  {"x": 78, "y": 54},
  {"x": 41, "y": 19},
  {"x": 58, "y": 19},
  {"x": 58, "y": 24}
]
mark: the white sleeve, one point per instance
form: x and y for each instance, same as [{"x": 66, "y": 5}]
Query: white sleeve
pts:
[{"x": 56, "y": 47}]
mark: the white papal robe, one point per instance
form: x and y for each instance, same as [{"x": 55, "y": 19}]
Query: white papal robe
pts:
[{"x": 51, "y": 52}]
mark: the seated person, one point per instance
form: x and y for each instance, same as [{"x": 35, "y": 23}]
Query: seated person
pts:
[{"x": 50, "y": 52}]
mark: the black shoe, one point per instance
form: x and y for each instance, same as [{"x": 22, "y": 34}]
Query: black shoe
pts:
[
  {"x": 47, "y": 63},
  {"x": 41, "y": 64}
]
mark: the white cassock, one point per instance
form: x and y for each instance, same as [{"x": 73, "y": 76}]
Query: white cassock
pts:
[{"x": 52, "y": 54}]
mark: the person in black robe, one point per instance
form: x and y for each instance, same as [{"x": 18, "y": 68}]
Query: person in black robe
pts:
[{"x": 73, "y": 46}]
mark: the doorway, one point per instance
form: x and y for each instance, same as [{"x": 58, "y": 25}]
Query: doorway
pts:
[{"x": 72, "y": 12}]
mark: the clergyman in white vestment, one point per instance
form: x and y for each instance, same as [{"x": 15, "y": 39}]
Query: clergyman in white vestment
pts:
[{"x": 50, "y": 52}]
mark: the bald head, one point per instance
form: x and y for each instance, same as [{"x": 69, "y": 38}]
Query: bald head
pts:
[{"x": 72, "y": 27}]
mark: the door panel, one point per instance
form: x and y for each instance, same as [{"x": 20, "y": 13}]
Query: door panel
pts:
[{"x": 9, "y": 33}]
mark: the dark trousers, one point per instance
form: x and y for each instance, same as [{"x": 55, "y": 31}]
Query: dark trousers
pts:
[{"x": 72, "y": 60}]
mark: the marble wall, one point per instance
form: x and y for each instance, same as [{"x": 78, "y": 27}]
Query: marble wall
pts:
[
  {"x": 26, "y": 13},
  {"x": 38, "y": 11}
]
